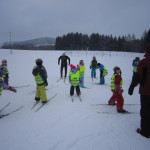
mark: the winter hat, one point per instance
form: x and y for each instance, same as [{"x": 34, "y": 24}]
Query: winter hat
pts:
[
  {"x": 147, "y": 53},
  {"x": 39, "y": 62},
  {"x": 4, "y": 62},
  {"x": 116, "y": 68},
  {"x": 98, "y": 64},
  {"x": 81, "y": 62},
  {"x": 94, "y": 57},
  {"x": 72, "y": 66},
  {"x": 64, "y": 54}
]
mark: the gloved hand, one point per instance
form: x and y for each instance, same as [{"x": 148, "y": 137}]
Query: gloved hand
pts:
[
  {"x": 80, "y": 81},
  {"x": 46, "y": 83},
  {"x": 12, "y": 89},
  {"x": 131, "y": 89}
]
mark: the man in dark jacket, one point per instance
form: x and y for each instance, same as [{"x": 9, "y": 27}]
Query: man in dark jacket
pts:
[
  {"x": 143, "y": 78},
  {"x": 63, "y": 59}
]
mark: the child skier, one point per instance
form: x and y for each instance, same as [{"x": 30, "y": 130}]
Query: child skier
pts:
[
  {"x": 6, "y": 77},
  {"x": 40, "y": 76},
  {"x": 116, "y": 88},
  {"x": 103, "y": 73},
  {"x": 3, "y": 72},
  {"x": 135, "y": 64},
  {"x": 74, "y": 79},
  {"x": 81, "y": 68},
  {"x": 93, "y": 66}
]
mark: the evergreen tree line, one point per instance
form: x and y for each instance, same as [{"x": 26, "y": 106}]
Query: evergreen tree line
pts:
[{"x": 96, "y": 41}]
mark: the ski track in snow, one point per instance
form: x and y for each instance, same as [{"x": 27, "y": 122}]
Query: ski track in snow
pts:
[{"x": 62, "y": 124}]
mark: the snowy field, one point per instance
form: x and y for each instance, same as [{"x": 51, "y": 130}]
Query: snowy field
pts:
[{"x": 62, "y": 124}]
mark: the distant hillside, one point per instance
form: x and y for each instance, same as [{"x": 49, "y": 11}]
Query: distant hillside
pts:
[
  {"x": 46, "y": 43},
  {"x": 37, "y": 41}
]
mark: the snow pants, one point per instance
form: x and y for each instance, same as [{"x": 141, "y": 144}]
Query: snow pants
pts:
[
  {"x": 102, "y": 79},
  {"x": 77, "y": 90},
  {"x": 82, "y": 81},
  {"x": 93, "y": 72},
  {"x": 145, "y": 114},
  {"x": 61, "y": 70},
  {"x": 41, "y": 93},
  {"x": 116, "y": 97}
]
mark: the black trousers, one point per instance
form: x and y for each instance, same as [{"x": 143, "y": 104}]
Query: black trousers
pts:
[
  {"x": 61, "y": 70},
  {"x": 145, "y": 114},
  {"x": 77, "y": 90}
]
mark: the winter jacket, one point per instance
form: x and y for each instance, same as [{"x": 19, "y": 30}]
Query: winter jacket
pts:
[
  {"x": 103, "y": 70},
  {"x": 81, "y": 70},
  {"x": 74, "y": 78},
  {"x": 116, "y": 82},
  {"x": 135, "y": 64},
  {"x": 40, "y": 75},
  {"x": 63, "y": 60},
  {"x": 143, "y": 76},
  {"x": 93, "y": 63},
  {"x": 7, "y": 73}
]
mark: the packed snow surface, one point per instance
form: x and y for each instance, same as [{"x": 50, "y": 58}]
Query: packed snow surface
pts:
[{"x": 62, "y": 124}]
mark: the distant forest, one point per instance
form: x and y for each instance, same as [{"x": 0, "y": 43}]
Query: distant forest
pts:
[{"x": 96, "y": 41}]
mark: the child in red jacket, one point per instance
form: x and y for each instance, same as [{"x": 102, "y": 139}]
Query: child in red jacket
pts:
[{"x": 116, "y": 88}]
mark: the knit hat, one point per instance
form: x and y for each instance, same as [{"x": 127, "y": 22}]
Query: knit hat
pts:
[
  {"x": 39, "y": 62},
  {"x": 116, "y": 68},
  {"x": 147, "y": 53},
  {"x": 72, "y": 66}
]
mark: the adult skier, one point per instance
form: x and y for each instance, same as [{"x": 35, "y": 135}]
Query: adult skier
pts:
[
  {"x": 40, "y": 76},
  {"x": 142, "y": 77},
  {"x": 63, "y": 58}
]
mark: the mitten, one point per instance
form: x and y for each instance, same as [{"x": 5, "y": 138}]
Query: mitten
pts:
[
  {"x": 131, "y": 89},
  {"x": 46, "y": 83}
]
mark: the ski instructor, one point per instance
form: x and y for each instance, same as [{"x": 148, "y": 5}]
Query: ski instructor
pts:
[
  {"x": 63, "y": 59},
  {"x": 142, "y": 77}
]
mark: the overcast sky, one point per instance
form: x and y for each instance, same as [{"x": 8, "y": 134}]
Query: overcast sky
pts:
[{"x": 28, "y": 19}]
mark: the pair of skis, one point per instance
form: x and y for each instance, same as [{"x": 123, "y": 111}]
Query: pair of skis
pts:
[
  {"x": 21, "y": 86},
  {"x": 108, "y": 112},
  {"x": 64, "y": 79},
  {"x": 113, "y": 105},
  {"x": 72, "y": 98},
  {"x": 42, "y": 104},
  {"x": 15, "y": 110}
]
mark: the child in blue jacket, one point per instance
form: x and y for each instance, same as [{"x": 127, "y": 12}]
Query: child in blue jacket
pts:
[{"x": 103, "y": 73}]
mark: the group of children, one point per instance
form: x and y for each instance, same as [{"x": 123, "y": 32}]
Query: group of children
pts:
[{"x": 76, "y": 79}]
